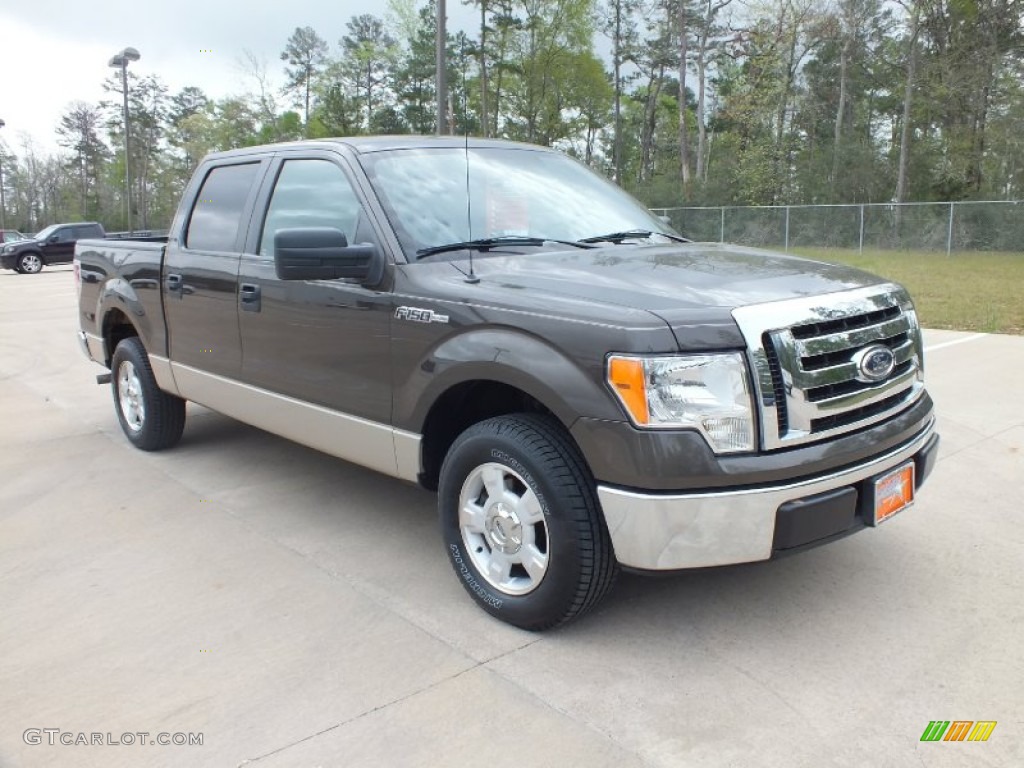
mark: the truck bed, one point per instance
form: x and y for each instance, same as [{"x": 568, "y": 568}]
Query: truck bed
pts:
[{"x": 129, "y": 269}]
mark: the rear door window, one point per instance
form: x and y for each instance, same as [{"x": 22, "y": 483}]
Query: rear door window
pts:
[{"x": 217, "y": 213}]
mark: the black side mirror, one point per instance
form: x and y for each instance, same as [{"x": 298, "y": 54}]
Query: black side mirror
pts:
[
  {"x": 52, "y": 239},
  {"x": 321, "y": 253}
]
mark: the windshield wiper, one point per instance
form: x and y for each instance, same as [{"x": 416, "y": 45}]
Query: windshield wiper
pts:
[
  {"x": 486, "y": 243},
  {"x": 631, "y": 234}
]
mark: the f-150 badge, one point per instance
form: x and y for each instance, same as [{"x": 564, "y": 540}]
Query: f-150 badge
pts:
[{"x": 418, "y": 315}]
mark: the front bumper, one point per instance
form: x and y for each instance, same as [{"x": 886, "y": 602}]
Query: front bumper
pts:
[{"x": 693, "y": 530}]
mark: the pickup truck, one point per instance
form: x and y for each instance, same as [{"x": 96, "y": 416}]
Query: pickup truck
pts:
[
  {"x": 586, "y": 390},
  {"x": 53, "y": 245}
]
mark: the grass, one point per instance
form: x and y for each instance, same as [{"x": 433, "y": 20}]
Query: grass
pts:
[{"x": 970, "y": 291}]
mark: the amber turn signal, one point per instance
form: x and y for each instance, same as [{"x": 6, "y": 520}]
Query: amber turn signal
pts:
[{"x": 626, "y": 375}]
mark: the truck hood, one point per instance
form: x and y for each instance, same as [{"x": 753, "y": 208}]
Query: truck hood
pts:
[
  {"x": 662, "y": 278},
  {"x": 689, "y": 286}
]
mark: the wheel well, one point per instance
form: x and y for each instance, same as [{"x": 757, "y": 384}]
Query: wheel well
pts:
[
  {"x": 458, "y": 409},
  {"x": 116, "y": 328}
]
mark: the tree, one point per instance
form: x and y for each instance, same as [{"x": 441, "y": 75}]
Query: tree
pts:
[
  {"x": 908, "y": 95},
  {"x": 709, "y": 41},
  {"x": 148, "y": 107},
  {"x": 369, "y": 53},
  {"x": 619, "y": 25},
  {"x": 481, "y": 52},
  {"x": 306, "y": 54},
  {"x": 415, "y": 75},
  {"x": 78, "y": 131}
]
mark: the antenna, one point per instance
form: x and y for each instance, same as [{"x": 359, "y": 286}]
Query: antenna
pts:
[{"x": 471, "y": 277}]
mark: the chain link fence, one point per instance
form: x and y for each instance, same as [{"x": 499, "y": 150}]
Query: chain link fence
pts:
[{"x": 942, "y": 227}]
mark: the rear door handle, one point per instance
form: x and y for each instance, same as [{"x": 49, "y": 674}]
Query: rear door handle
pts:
[
  {"x": 175, "y": 284},
  {"x": 249, "y": 295}
]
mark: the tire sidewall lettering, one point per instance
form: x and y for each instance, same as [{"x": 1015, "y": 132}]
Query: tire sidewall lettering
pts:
[
  {"x": 467, "y": 575},
  {"x": 499, "y": 455}
]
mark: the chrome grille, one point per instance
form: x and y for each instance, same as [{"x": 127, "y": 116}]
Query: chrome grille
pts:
[{"x": 808, "y": 382}]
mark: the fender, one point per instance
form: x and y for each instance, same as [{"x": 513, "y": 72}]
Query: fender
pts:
[
  {"x": 11, "y": 259},
  {"x": 510, "y": 356},
  {"x": 124, "y": 296}
]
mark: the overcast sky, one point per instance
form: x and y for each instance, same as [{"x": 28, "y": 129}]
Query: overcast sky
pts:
[{"x": 56, "y": 51}]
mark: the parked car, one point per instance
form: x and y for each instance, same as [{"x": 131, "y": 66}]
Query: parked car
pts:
[
  {"x": 53, "y": 245},
  {"x": 11, "y": 236},
  {"x": 585, "y": 389}
]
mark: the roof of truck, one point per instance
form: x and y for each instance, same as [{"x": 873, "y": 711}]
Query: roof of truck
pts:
[{"x": 366, "y": 144}]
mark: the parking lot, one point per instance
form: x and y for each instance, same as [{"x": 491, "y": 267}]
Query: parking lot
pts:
[{"x": 299, "y": 611}]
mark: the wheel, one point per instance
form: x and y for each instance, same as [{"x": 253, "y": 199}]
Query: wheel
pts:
[
  {"x": 30, "y": 263},
  {"x": 521, "y": 522},
  {"x": 150, "y": 418}
]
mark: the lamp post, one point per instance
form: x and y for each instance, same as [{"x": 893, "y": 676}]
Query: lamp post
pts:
[
  {"x": 442, "y": 69},
  {"x": 121, "y": 60},
  {"x": 3, "y": 202}
]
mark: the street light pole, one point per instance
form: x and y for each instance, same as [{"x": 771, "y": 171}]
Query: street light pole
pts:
[
  {"x": 121, "y": 60},
  {"x": 442, "y": 69},
  {"x": 3, "y": 202}
]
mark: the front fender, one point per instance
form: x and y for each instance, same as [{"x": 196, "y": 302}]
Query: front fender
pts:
[
  {"x": 10, "y": 260},
  {"x": 568, "y": 388}
]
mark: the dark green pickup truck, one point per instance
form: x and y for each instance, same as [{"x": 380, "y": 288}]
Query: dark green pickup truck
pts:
[{"x": 586, "y": 390}]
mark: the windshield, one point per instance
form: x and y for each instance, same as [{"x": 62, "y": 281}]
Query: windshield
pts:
[
  {"x": 511, "y": 192},
  {"x": 45, "y": 233}
]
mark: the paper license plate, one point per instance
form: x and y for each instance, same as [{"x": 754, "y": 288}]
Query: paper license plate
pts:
[{"x": 894, "y": 492}]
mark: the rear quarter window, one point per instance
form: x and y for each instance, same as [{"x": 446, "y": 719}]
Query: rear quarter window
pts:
[{"x": 88, "y": 233}]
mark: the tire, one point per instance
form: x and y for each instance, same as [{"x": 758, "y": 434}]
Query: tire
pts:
[
  {"x": 30, "y": 263},
  {"x": 521, "y": 522},
  {"x": 150, "y": 418}
]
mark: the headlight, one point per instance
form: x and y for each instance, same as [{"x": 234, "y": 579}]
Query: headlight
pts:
[{"x": 709, "y": 393}]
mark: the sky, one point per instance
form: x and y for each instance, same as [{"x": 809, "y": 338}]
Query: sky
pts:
[{"x": 55, "y": 52}]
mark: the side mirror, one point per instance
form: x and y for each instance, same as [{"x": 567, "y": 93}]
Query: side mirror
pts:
[
  {"x": 320, "y": 253},
  {"x": 52, "y": 239}
]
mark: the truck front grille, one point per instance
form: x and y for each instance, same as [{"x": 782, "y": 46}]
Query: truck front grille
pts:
[{"x": 806, "y": 356}]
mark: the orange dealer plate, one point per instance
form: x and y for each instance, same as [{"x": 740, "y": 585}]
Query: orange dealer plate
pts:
[{"x": 894, "y": 492}]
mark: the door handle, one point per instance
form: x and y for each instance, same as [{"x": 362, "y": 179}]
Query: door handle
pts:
[
  {"x": 175, "y": 284},
  {"x": 249, "y": 295}
]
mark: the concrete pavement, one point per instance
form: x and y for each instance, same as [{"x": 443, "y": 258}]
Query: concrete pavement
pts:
[{"x": 299, "y": 611}]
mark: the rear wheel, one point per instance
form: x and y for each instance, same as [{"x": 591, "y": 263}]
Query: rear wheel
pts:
[
  {"x": 522, "y": 524},
  {"x": 150, "y": 418},
  {"x": 30, "y": 263}
]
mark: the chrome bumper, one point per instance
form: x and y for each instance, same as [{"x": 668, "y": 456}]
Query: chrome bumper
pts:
[
  {"x": 667, "y": 532},
  {"x": 93, "y": 347}
]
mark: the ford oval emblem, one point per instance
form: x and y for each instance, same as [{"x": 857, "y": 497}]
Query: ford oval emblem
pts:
[{"x": 874, "y": 363}]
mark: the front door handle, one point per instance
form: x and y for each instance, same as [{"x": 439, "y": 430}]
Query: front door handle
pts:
[
  {"x": 175, "y": 284},
  {"x": 249, "y": 295}
]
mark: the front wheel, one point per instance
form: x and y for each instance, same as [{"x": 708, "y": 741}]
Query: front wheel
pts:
[
  {"x": 522, "y": 524},
  {"x": 30, "y": 263},
  {"x": 150, "y": 418}
]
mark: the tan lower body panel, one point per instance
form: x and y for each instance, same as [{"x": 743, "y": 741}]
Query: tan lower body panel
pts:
[{"x": 368, "y": 443}]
